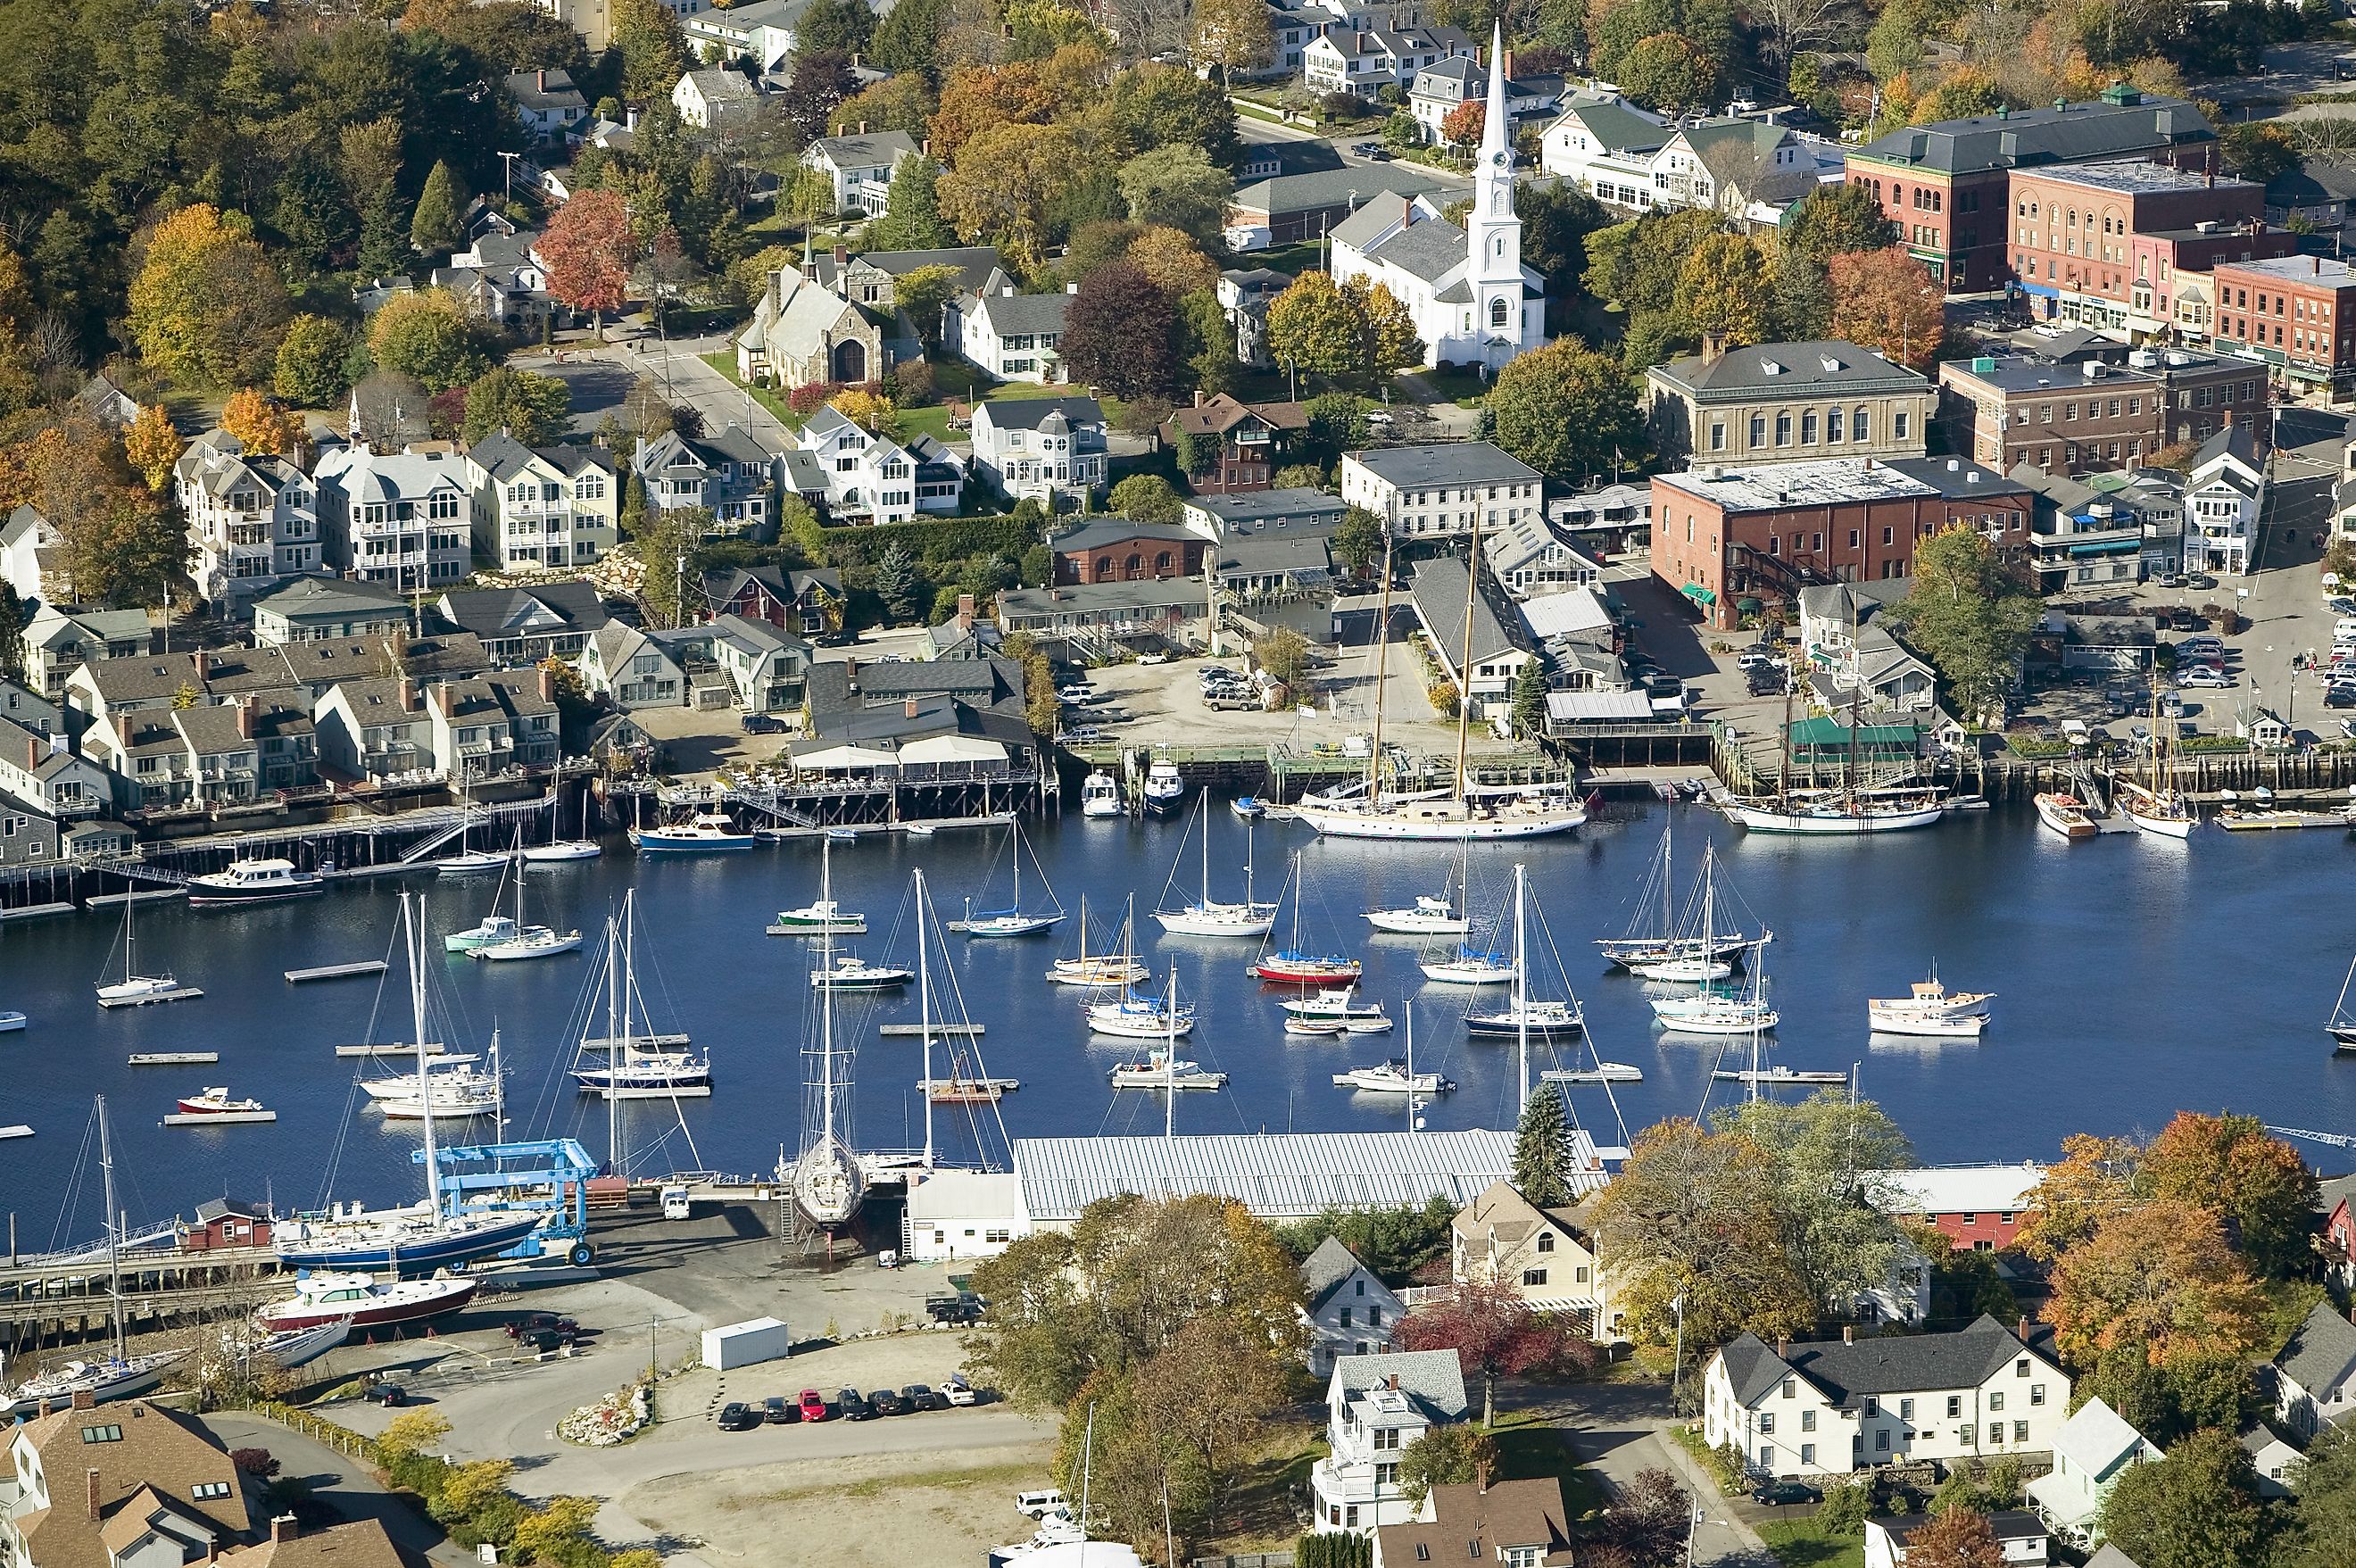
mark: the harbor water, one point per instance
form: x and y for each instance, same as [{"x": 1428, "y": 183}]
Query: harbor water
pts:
[{"x": 2134, "y": 977}]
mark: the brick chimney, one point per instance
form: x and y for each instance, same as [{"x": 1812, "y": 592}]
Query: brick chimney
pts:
[
  {"x": 32, "y": 752},
  {"x": 965, "y": 612},
  {"x": 547, "y": 684},
  {"x": 543, "y": 79},
  {"x": 850, "y": 672},
  {"x": 204, "y": 666},
  {"x": 2024, "y": 1330},
  {"x": 245, "y": 718},
  {"x": 843, "y": 255},
  {"x": 1848, "y": 1333},
  {"x": 1783, "y": 1348},
  {"x": 284, "y": 1529},
  {"x": 1713, "y": 348},
  {"x": 408, "y": 696},
  {"x": 88, "y": 1479},
  {"x": 908, "y": 708},
  {"x": 84, "y": 1399}
]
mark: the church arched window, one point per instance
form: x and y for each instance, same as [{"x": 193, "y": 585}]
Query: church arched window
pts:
[
  {"x": 1497, "y": 311},
  {"x": 1497, "y": 199},
  {"x": 1498, "y": 247}
]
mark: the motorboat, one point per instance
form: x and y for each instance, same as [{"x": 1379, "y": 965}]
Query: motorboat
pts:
[
  {"x": 1469, "y": 967},
  {"x": 265, "y": 881},
  {"x": 11, "y": 1022},
  {"x": 1100, "y": 795},
  {"x": 2066, "y": 814},
  {"x": 1209, "y": 917},
  {"x": 1340, "y": 1003},
  {"x": 494, "y": 928},
  {"x": 1140, "y": 1018},
  {"x": 134, "y": 987},
  {"x": 1164, "y": 791},
  {"x": 215, "y": 1101},
  {"x": 825, "y": 917},
  {"x": 1430, "y": 915},
  {"x": 1538, "y": 1020},
  {"x": 1601, "y": 1072},
  {"x": 705, "y": 832},
  {"x": 1162, "y": 1070},
  {"x": 1250, "y": 808},
  {"x": 841, "y": 835},
  {"x": 1391, "y": 1077},
  {"x": 851, "y": 972},
  {"x": 362, "y": 1301},
  {"x": 1931, "y": 1010}
]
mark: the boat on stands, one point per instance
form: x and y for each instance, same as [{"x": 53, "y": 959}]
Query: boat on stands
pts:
[
  {"x": 1206, "y": 915},
  {"x": 292, "y": 1348},
  {"x": 363, "y": 1301},
  {"x": 265, "y": 881},
  {"x": 1164, "y": 792},
  {"x": 704, "y": 832},
  {"x": 1930, "y": 1010},
  {"x": 1392, "y": 1078},
  {"x": 1100, "y": 795},
  {"x": 1013, "y": 920}
]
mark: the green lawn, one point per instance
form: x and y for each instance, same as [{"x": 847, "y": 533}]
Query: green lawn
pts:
[
  {"x": 950, "y": 378},
  {"x": 1463, "y": 387},
  {"x": 1800, "y": 1544},
  {"x": 725, "y": 362},
  {"x": 1528, "y": 1448},
  {"x": 1300, "y": 256}
]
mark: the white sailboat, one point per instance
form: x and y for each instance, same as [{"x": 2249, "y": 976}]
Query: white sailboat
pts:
[
  {"x": 1465, "y": 814},
  {"x": 525, "y": 941},
  {"x": 1013, "y": 920},
  {"x": 825, "y": 1178},
  {"x": 630, "y": 1068},
  {"x": 1100, "y": 969},
  {"x": 1696, "y": 958},
  {"x": 117, "y": 1376},
  {"x": 2155, "y": 804},
  {"x": 2342, "y": 1026},
  {"x": 1715, "y": 1012},
  {"x": 1208, "y": 917},
  {"x": 557, "y": 850},
  {"x": 1852, "y": 808},
  {"x": 468, "y": 862},
  {"x": 1667, "y": 940},
  {"x": 134, "y": 987}
]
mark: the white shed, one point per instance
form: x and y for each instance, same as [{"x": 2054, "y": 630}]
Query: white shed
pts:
[{"x": 747, "y": 1344}]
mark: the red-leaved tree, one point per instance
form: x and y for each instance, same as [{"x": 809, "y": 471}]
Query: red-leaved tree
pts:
[
  {"x": 1888, "y": 301},
  {"x": 1492, "y": 1331},
  {"x": 1463, "y": 125},
  {"x": 588, "y": 248}
]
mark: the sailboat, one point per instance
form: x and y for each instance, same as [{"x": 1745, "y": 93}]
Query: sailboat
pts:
[
  {"x": 557, "y": 850},
  {"x": 1102, "y": 968},
  {"x": 2157, "y": 806},
  {"x": 1162, "y": 1068},
  {"x": 1696, "y": 959},
  {"x": 522, "y": 940},
  {"x": 119, "y": 1375},
  {"x": 1207, "y": 917},
  {"x": 1715, "y": 1012},
  {"x": 1665, "y": 941},
  {"x": 1852, "y": 808},
  {"x": 135, "y": 988},
  {"x": 436, "y": 1100},
  {"x": 1012, "y": 921},
  {"x": 415, "y": 1240},
  {"x": 2342, "y": 1026},
  {"x": 1523, "y": 1018},
  {"x": 967, "y": 1083},
  {"x": 468, "y": 862},
  {"x": 1462, "y": 814},
  {"x": 632, "y": 1069},
  {"x": 825, "y": 1178},
  {"x": 1291, "y": 966},
  {"x": 1431, "y": 914}
]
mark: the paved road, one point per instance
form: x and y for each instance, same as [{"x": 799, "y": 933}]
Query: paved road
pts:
[
  {"x": 1621, "y": 1429},
  {"x": 344, "y": 1485},
  {"x": 601, "y": 376}
]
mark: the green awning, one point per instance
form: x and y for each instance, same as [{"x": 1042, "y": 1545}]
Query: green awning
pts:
[
  {"x": 1831, "y": 732},
  {"x": 1697, "y": 594},
  {"x": 1752, "y": 607}
]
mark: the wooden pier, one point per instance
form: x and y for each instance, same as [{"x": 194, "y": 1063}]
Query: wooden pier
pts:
[
  {"x": 177, "y": 993},
  {"x": 336, "y": 971},
  {"x": 44, "y": 1300}
]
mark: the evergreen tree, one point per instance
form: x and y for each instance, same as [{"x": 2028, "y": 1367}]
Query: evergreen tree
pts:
[
  {"x": 895, "y": 580},
  {"x": 12, "y": 619},
  {"x": 1542, "y": 1150},
  {"x": 633, "y": 517},
  {"x": 1529, "y": 701},
  {"x": 912, "y": 211},
  {"x": 433, "y": 228}
]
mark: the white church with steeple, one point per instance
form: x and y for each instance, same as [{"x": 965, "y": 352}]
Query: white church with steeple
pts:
[{"x": 1472, "y": 300}]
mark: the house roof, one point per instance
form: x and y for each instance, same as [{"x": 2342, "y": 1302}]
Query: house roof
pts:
[
  {"x": 1789, "y": 369},
  {"x": 1502, "y": 1211},
  {"x": 1447, "y": 463},
  {"x": 2096, "y": 1437},
  {"x": 1024, "y": 313},
  {"x": 1432, "y": 1380},
  {"x": 158, "y": 1455},
  {"x": 1031, "y": 413},
  {"x": 1774, "y": 487},
  {"x": 2237, "y": 442},
  {"x": 1429, "y": 250},
  {"x": 2315, "y": 181},
  {"x": 2009, "y": 1525},
  {"x": 1291, "y": 193},
  {"x": 2316, "y": 272},
  {"x": 544, "y": 89},
  {"x": 1251, "y": 511},
  {"x": 334, "y": 596},
  {"x": 1617, "y": 125},
  {"x": 1185, "y": 594},
  {"x": 1888, "y": 1364},
  {"x": 2118, "y": 125},
  {"x": 2321, "y": 1354},
  {"x": 1438, "y": 595},
  {"x": 503, "y": 456},
  {"x": 541, "y": 611},
  {"x": 1472, "y": 1522},
  {"x": 720, "y": 84},
  {"x": 1219, "y": 414},
  {"x": 2111, "y": 1557},
  {"x": 974, "y": 262},
  {"x": 873, "y": 150},
  {"x": 1303, "y": 557},
  {"x": 359, "y": 1543},
  {"x": 1327, "y": 1270},
  {"x": 1104, "y": 530},
  {"x": 1959, "y": 1190},
  {"x": 1275, "y": 1174},
  {"x": 212, "y": 730}
]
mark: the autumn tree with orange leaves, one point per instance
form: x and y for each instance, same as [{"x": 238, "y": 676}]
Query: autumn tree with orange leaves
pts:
[
  {"x": 2161, "y": 1276},
  {"x": 588, "y": 247},
  {"x": 260, "y": 425},
  {"x": 1888, "y": 301},
  {"x": 2228, "y": 1166},
  {"x": 1959, "y": 1538},
  {"x": 152, "y": 447}
]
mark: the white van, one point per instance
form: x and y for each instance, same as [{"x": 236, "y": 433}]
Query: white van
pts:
[
  {"x": 1038, "y": 1505},
  {"x": 674, "y": 1203}
]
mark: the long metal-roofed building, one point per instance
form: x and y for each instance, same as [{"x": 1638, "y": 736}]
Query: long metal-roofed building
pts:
[{"x": 1277, "y": 1176}]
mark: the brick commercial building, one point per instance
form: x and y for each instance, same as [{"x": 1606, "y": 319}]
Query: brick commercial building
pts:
[
  {"x": 2103, "y": 245},
  {"x": 1724, "y": 535},
  {"x": 2296, "y": 313},
  {"x": 2073, "y": 419},
  {"x": 1946, "y": 184}
]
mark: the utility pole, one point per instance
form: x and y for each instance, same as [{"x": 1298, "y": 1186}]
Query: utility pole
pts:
[{"x": 509, "y": 160}]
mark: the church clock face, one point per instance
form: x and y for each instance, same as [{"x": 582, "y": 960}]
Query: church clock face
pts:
[{"x": 1498, "y": 157}]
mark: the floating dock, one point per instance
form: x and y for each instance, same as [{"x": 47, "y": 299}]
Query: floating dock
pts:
[
  {"x": 950, "y": 1089},
  {"x": 636, "y": 1043},
  {"x": 336, "y": 971},
  {"x": 209, "y": 1118},
  {"x": 17, "y": 1130},
  {"x": 35, "y": 911},
  {"x": 177, "y": 993},
  {"x": 142, "y": 895},
  {"x": 392, "y": 1049},
  {"x": 917, "y": 1031},
  {"x": 2265, "y": 821},
  {"x": 175, "y": 1058}
]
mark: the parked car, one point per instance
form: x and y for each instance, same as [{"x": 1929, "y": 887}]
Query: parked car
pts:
[
  {"x": 736, "y": 1417},
  {"x": 853, "y": 1405},
  {"x": 921, "y": 1397},
  {"x": 2200, "y": 580},
  {"x": 775, "y": 1412},
  {"x": 534, "y": 1322},
  {"x": 963, "y": 1307},
  {"x": 2202, "y": 675},
  {"x": 389, "y": 1395},
  {"x": 1782, "y": 1494},
  {"x": 763, "y": 723},
  {"x": 958, "y": 1392},
  {"x": 2340, "y": 694},
  {"x": 540, "y": 1341},
  {"x": 884, "y": 1401},
  {"x": 1038, "y": 1505},
  {"x": 1661, "y": 683},
  {"x": 812, "y": 1406}
]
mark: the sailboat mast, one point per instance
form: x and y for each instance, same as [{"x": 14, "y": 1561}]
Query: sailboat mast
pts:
[
  {"x": 1205, "y": 824},
  {"x": 1382, "y": 670},
  {"x": 1170, "y": 1057},
  {"x": 1521, "y": 983},
  {"x": 113, "y": 1257},
  {"x": 1783, "y": 780},
  {"x": 414, "y": 936},
  {"x": 617, "y": 1011},
  {"x": 1464, "y": 670},
  {"x": 1410, "y": 1063},
  {"x": 1856, "y": 702},
  {"x": 924, "y": 1011},
  {"x": 826, "y": 996}
]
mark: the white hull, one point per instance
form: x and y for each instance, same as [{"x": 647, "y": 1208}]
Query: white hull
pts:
[
  {"x": 1410, "y": 923},
  {"x": 103, "y": 1380},
  {"x": 475, "y": 863},
  {"x": 1094, "y": 975},
  {"x": 1601, "y": 1072},
  {"x": 563, "y": 851},
  {"x": 1008, "y": 925},
  {"x": 1684, "y": 971},
  {"x": 1469, "y": 974},
  {"x": 2068, "y": 818},
  {"x": 1778, "y": 1075},
  {"x": 2163, "y": 827},
  {"x": 1186, "y": 1076},
  {"x": 1444, "y": 826},
  {"x": 465, "y": 1109},
  {"x": 1375, "y": 1080},
  {"x": 1931, "y": 1026},
  {"x": 139, "y": 988},
  {"x": 535, "y": 942},
  {"x": 1139, "y": 1026},
  {"x": 1715, "y": 1026},
  {"x": 1210, "y": 922},
  {"x": 1833, "y": 823}
]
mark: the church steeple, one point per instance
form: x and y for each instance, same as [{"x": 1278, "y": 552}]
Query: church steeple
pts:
[{"x": 1493, "y": 249}]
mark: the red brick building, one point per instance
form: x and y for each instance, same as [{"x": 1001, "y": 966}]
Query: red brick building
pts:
[
  {"x": 1945, "y": 185},
  {"x": 1722, "y": 535},
  {"x": 2296, "y": 313},
  {"x": 1243, "y": 444},
  {"x": 1116, "y": 550},
  {"x": 2103, "y": 245},
  {"x": 1978, "y": 1208}
]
